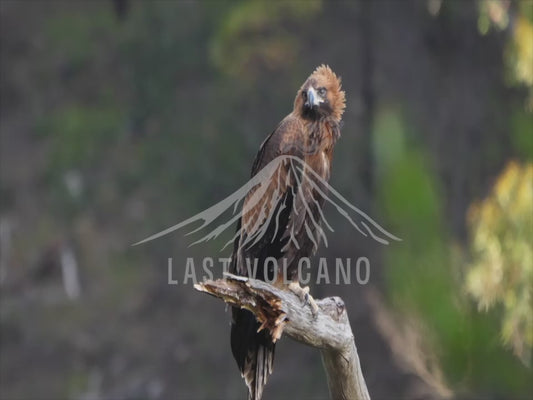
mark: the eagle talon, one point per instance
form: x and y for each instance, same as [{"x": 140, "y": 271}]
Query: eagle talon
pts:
[{"x": 305, "y": 297}]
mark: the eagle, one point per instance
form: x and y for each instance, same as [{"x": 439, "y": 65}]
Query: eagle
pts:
[{"x": 281, "y": 217}]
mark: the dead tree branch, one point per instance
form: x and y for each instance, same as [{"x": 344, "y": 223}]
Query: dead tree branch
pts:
[{"x": 282, "y": 311}]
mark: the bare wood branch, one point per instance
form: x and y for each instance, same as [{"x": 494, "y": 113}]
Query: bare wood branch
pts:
[{"x": 281, "y": 311}]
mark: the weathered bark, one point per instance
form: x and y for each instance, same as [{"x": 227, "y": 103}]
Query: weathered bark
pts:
[{"x": 281, "y": 311}]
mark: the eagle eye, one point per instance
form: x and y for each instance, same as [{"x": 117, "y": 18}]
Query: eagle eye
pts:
[{"x": 322, "y": 91}]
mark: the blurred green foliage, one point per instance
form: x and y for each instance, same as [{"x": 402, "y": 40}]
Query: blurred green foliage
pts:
[
  {"x": 502, "y": 268},
  {"x": 519, "y": 50},
  {"x": 267, "y": 29},
  {"x": 521, "y": 133},
  {"x": 424, "y": 274},
  {"x": 78, "y": 134}
]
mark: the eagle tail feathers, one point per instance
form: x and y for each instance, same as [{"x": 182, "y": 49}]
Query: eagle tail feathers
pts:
[{"x": 253, "y": 351}]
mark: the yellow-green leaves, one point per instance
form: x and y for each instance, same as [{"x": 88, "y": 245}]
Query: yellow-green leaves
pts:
[{"x": 501, "y": 272}]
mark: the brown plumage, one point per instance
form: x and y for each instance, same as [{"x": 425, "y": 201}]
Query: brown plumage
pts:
[{"x": 281, "y": 218}]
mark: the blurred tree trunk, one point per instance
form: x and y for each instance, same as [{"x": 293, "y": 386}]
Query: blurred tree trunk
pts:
[{"x": 367, "y": 96}]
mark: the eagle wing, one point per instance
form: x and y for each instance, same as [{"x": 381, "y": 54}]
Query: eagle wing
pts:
[{"x": 274, "y": 210}]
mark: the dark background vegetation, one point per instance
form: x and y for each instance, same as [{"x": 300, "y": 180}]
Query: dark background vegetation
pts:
[{"x": 120, "y": 118}]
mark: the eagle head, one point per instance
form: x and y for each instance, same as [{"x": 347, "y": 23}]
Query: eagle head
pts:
[{"x": 321, "y": 96}]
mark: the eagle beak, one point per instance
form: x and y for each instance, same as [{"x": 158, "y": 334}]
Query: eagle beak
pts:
[{"x": 313, "y": 99}]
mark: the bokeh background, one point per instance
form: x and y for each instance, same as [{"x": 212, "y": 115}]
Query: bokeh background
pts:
[{"x": 120, "y": 118}]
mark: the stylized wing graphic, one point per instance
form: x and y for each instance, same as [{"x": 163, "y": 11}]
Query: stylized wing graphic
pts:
[{"x": 256, "y": 190}]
